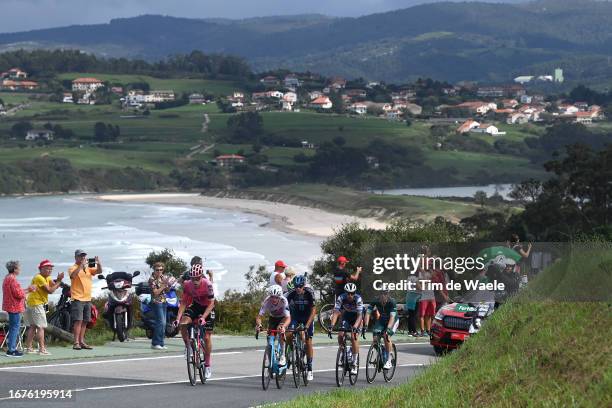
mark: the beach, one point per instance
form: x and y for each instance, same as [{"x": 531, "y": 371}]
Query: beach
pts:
[{"x": 283, "y": 217}]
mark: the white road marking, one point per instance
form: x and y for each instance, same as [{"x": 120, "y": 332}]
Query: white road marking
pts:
[
  {"x": 123, "y": 360},
  {"x": 109, "y": 387}
]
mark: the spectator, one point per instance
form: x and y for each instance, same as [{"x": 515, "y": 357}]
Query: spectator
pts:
[
  {"x": 81, "y": 276},
  {"x": 515, "y": 244},
  {"x": 412, "y": 301},
  {"x": 13, "y": 303},
  {"x": 276, "y": 278},
  {"x": 289, "y": 275},
  {"x": 441, "y": 296},
  {"x": 159, "y": 284},
  {"x": 427, "y": 303},
  {"x": 36, "y": 304},
  {"x": 196, "y": 260}
]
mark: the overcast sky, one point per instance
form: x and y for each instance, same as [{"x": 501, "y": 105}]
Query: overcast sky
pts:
[{"x": 22, "y": 15}]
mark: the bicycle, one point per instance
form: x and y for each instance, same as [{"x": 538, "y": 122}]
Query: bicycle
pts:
[
  {"x": 196, "y": 351},
  {"x": 375, "y": 360},
  {"x": 296, "y": 355},
  {"x": 270, "y": 367},
  {"x": 344, "y": 357}
]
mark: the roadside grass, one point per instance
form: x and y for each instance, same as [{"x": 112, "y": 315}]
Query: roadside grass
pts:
[{"x": 548, "y": 347}]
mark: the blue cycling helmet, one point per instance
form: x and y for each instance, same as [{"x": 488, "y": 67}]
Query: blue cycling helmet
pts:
[{"x": 299, "y": 281}]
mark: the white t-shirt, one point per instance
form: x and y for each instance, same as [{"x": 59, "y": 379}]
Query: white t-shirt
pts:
[{"x": 273, "y": 275}]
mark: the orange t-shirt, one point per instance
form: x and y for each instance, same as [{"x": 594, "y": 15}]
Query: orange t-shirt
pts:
[{"x": 82, "y": 283}]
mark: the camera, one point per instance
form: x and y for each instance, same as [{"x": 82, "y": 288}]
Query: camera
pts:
[{"x": 91, "y": 262}]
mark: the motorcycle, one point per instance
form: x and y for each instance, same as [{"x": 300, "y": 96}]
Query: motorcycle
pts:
[
  {"x": 143, "y": 291},
  {"x": 118, "y": 307}
]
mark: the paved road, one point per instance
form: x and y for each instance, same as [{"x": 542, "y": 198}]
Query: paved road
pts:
[{"x": 161, "y": 381}]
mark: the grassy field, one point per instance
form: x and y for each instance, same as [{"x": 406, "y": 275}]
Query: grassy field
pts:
[
  {"x": 361, "y": 203},
  {"x": 178, "y": 85},
  {"x": 541, "y": 349}
]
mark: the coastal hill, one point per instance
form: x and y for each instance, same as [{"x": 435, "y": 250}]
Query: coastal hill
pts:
[{"x": 446, "y": 40}]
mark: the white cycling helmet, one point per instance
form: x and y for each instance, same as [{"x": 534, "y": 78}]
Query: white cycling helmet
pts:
[
  {"x": 350, "y": 287},
  {"x": 275, "y": 290}
]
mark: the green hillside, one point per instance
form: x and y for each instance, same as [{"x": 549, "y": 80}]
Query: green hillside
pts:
[{"x": 548, "y": 347}]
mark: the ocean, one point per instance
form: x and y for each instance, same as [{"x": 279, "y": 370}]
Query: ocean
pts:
[{"x": 123, "y": 234}]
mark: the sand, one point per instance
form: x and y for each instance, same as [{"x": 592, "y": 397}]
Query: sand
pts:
[{"x": 283, "y": 217}]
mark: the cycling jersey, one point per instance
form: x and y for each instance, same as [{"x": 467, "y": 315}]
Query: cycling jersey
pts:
[
  {"x": 278, "y": 309},
  {"x": 301, "y": 305},
  {"x": 386, "y": 311},
  {"x": 346, "y": 306},
  {"x": 202, "y": 294}
]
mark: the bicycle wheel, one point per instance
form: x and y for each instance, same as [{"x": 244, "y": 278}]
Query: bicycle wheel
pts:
[
  {"x": 280, "y": 375},
  {"x": 201, "y": 357},
  {"x": 293, "y": 361},
  {"x": 303, "y": 364},
  {"x": 191, "y": 367},
  {"x": 372, "y": 363},
  {"x": 324, "y": 316},
  {"x": 340, "y": 366},
  {"x": 353, "y": 377},
  {"x": 266, "y": 368},
  {"x": 388, "y": 374}
]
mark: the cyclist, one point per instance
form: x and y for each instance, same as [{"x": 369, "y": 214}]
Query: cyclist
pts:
[
  {"x": 278, "y": 308},
  {"x": 302, "y": 307},
  {"x": 199, "y": 295},
  {"x": 342, "y": 275},
  {"x": 350, "y": 306},
  {"x": 385, "y": 309}
]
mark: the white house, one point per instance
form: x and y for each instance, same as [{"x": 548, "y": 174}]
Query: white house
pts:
[
  {"x": 159, "y": 96},
  {"x": 36, "y": 134},
  {"x": 322, "y": 102},
  {"x": 467, "y": 126},
  {"x": 517, "y": 118},
  {"x": 523, "y": 79},
  {"x": 67, "y": 98},
  {"x": 487, "y": 128},
  {"x": 86, "y": 84},
  {"x": 290, "y": 97},
  {"x": 359, "y": 108}
]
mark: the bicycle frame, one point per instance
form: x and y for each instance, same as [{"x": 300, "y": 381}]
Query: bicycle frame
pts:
[
  {"x": 197, "y": 333},
  {"x": 276, "y": 347}
]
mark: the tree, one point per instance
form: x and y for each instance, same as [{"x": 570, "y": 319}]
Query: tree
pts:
[
  {"x": 173, "y": 265},
  {"x": 106, "y": 132},
  {"x": 20, "y": 129},
  {"x": 339, "y": 141},
  {"x": 526, "y": 191},
  {"x": 480, "y": 197},
  {"x": 245, "y": 127}
]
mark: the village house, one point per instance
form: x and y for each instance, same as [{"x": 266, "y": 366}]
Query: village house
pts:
[
  {"x": 307, "y": 145},
  {"x": 238, "y": 95},
  {"x": 315, "y": 94},
  {"x": 290, "y": 97},
  {"x": 517, "y": 118},
  {"x": 322, "y": 102},
  {"x": 229, "y": 160},
  {"x": 490, "y": 92},
  {"x": 359, "y": 108},
  {"x": 12, "y": 85},
  {"x": 14, "y": 74},
  {"x": 474, "y": 108},
  {"x": 356, "y": 93},
  {"x": 159, "y": 96},
  {"x": 67, "y": 98},
  {"x": 467, "y": 126},
  {"x": 196, "y": 99},
  {"x": 270, "y": 81},
  {"x": 487, "y": 128},
  {"x": 291, "y": 81},
  {"x": 509, "y": 103},
  {"x": 86, "y": 84},
  {"x": 337, "y": 83},
  {"x": 503, "y": 114},
  {"x": 514, "y": 91},
  {"x": 413, "y": 109},
  {"x": 36, "y": 134}
]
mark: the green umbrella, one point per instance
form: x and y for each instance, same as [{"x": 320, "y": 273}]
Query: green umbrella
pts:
[{"x": 489, "y": 254}]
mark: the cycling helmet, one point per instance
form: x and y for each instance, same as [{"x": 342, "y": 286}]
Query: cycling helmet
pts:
[
  {"x": 275, "y": 290},
  {"x": 196, "y": 271},
  {"x": 350, "y": 288},
  {"x": 299, "y": 281}
]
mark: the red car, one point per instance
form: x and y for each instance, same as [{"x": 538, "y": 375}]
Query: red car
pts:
[{"x": 455, "y": 323}]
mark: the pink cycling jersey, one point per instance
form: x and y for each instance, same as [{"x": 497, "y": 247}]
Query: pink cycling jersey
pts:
[
  {"x": 202, "y": 294},
  {"x": 278, "y": 309}
]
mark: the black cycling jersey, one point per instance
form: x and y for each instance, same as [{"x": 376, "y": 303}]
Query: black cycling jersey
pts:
[
  {"x": 385, "y": 310},
  {"x": 301, "y": 305}
]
